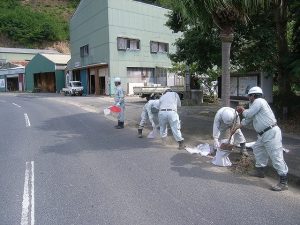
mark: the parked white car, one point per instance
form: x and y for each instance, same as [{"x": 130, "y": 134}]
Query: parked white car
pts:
[{"x": 73, "y": 88}]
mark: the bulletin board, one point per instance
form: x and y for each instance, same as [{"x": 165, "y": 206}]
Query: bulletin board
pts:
[{"x": 240, "y": 84}]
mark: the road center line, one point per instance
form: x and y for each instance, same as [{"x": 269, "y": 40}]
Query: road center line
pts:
[
  {"x": 27, "y": 121},
  {"x": 16, "y": 105},
  {"x": 28, "y": 196}
]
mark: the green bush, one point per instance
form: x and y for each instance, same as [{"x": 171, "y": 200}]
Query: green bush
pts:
[{"x": 27, "y": 27}]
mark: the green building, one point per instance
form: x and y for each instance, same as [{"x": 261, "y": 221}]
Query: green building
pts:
[
  {"x": 120, "y": 38},
  {"x": 46, "y": 73}
]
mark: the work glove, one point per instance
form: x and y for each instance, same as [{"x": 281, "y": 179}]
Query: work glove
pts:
[
  {"x": 240, "y": 109},
  {"x": 216, "y": 143}
]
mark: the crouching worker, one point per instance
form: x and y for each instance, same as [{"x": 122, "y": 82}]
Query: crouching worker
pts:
[
  {"x": 150, "y": 111},
  {"x": 168, "y": 104},
  {"x": 269, "y": 138},
  {"x": 225, "y": 120}
]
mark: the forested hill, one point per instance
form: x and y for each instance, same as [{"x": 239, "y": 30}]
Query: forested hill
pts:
[{"x": 37, "y": 23}]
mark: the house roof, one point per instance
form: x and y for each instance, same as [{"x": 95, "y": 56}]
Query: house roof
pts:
[
  {"x": 28, "y": 51},
  {"x": 58, "y": 58},
  {"x": 20, "y": 63},
  {"x": 10, "y": 65}
]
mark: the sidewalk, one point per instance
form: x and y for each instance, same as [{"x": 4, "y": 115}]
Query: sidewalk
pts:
[{"x": 197, "y": 124}]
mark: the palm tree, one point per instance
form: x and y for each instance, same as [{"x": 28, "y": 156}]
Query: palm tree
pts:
[{"x": 224, "y": 14}]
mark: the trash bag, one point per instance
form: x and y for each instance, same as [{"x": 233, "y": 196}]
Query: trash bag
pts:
[
  {"x": 153, "y": 134},
  {"x": 106, "y": 111},
  {"x": 202, "y": 149},
  {"x": 221, "y": 158}
]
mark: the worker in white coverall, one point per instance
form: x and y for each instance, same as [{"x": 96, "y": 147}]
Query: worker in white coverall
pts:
[
  {"x": 119, "y": 101},
  {"x": 225, "y": 120},
  {"x": 269, "y": 139},
  {"x": 150, "y": 111},
  {"x": 168, "y": 104}
]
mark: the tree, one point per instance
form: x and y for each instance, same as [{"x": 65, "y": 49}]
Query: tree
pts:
[
  {"x": 223, "y": 14},
  {"x": 198, "y": 48},
  {"x": 294, "y": 60}
]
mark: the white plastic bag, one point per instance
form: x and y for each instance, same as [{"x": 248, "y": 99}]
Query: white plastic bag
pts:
[
  {"x": 106, "y": 111},
  {"x": 153, "y": 134},
  {"x": 221, "y": 158},
  {"x": 202, "y": 149}
]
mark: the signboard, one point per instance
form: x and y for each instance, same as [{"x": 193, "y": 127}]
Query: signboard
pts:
[
  {"x": 2, "y": 83},
  {"x": 245, "y": 83},
  {"x": 240, "y": 85}
]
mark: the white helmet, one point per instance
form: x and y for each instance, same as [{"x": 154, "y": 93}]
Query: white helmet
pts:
[
  {"x": 228, "y": 116},
  {"x": 117, "y": 79},
  {"x": 255, "y": 90}
]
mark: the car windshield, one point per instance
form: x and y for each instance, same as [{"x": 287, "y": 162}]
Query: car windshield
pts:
[{"x": 77, "y": 84}]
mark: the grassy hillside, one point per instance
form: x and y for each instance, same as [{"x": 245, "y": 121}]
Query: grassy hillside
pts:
[{"x": 36, "y": 23}]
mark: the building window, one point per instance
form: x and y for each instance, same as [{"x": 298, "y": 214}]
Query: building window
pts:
[
  {"x": 137, "y": 75},
  {"x": 2, "y": 62},
  {"x": 128, "y": 44},
  {"x": 84, "y": 51},
  {"x": 161, "y": 47}
]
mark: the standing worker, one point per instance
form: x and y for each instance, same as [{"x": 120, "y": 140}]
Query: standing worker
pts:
[
  {"x": 225, "y": 120},
  {"x": 119, "y": 101},
  {"x": 150, "y": 111},
  {"x": 269, "y": 139},
  {"x": 168, "y": 104}
]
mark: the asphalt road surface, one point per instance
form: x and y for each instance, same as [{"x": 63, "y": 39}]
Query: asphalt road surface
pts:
[{"x": 62, "y": 165}]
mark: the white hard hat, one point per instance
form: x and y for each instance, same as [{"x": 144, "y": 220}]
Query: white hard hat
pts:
[
  {"x": 228, "y": 116},
  {"x": 255, "y": 90},
  {"x": 117, "y": 79}
]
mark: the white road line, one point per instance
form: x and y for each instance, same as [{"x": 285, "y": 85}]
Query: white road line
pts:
[
  {"x": 16, "y": 105},
  {"x": 25, "y": 203},
  {"x": 32, "y": 194},
  {"x": 28, "y": 196},
  {"x": 27, "y": 121}
]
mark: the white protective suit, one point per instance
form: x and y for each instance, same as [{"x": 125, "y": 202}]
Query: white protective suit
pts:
[
  {"x": 168, "y": 104},
  {"x": 148, "y": 114},
  {"x": 269, "y": 143},
  {"x": 222, "y": 126},
  {"x": 119, "y": 101}
]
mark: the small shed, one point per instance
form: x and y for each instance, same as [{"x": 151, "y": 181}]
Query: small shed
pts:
[{"x": 46, "y": 72}]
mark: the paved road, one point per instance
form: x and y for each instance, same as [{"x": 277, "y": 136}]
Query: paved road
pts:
[
  {"x": 196, "y": 127},
  {"x": 61, "y": 164}
]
